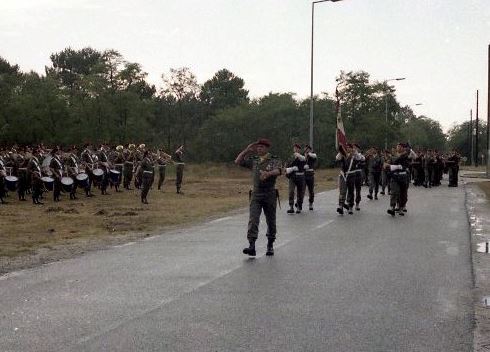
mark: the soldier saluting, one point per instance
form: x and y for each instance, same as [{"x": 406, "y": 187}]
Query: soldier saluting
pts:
[{"x": 265, "y": 169}]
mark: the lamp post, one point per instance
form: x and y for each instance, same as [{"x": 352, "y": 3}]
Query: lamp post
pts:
[
  {"x": 409, "y": 129},
  {"x": 386, "y": 109},
  {"x": 311, "y": 78}
]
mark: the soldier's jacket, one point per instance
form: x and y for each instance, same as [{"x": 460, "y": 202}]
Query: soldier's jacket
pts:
[
  {"x": 72, "y": 163},
  {"x": 311, "y": 161},
  {"x": 87, "y": 156},
  {"x": 299, "y": 161},
  {"x": 178, "y": 158},
  {"x": 56, "y": 165},
  {"x": 103, "y": 156},
  {"x": 146, "y": 165},
  {"x": 375, "y": 163},
  {"x": 34, "y": 167},
  {"x": 267, "y": 163}
]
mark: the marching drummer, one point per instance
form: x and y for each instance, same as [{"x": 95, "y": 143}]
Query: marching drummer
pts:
[
  {"x": 56, "y": 168},
  {"x": 104, "y": 165},
  {"x": 128, "y": 166},
  {"x": 146, "y": 170},
  {"x": 73, "y": 170},
  {"x": 34, "y": 173},
  {"x": 88, "y": 159},
  {"x": 162, "y": 160},
  {"x": 118, "y": 160}
]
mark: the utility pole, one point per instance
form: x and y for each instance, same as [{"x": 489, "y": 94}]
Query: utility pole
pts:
[
  {"x": 488, "y": 117},
  {"x": 471, "y": 137},
  {"x": 476, "y": 128}
]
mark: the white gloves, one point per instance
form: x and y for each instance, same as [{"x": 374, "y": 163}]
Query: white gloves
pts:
[
  {"x": 307, "y": 167},
  {"x": 396, "y": 167}
]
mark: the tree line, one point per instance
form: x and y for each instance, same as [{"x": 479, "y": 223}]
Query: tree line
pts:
[{"x": 96, "y": 96}]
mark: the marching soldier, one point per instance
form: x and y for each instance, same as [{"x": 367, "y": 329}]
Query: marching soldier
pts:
[
  {"x": 295, "y": 172},
  {"x": 129, "y": 160},
  {"x": 453, "y": 168},
  {"x": 146, "y": 171},
  {"x": 104, "y": 165},
  {"x": 34, "y": 173},
  {"x": 359, "y": 165},
  {"x": 56, "y": 168},
  {"x": 311, "y": 164},
  {"x": 375, "y": 165},
  {"x": 87, "y": 158},
  {"x": 179, "y": 162},
  {"x": 162, "y": 160},
  {"x": 348, "y": 158},
  {"x": 118, "y": 161},
  {"x": 265, "y": 168},
  {"x": 385, "y": 175},
  {"x": 139, "y": 156},
  {"x": 71, "y": 163},
  {"x": 399, "y": 167},
  {"x": 429, "y": 162}
]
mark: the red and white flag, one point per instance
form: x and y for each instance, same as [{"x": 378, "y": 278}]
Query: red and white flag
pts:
[{"x": 340, "y": 138}]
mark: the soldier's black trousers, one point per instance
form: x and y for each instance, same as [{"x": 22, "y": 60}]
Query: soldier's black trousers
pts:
[
  {"x": 310, "y": 184},
  {"x": 161, "y": 176},
  {"x": 374, "y": 181},
  {"x": 358, "y": 186},
  {"x": 346, "y": 189},
  {"x": 453, "y": 176},
  {"x": 179, "y": 176},
  {"x": 146, "y": 182},
  {"x": 57, "y": 188},
  {"x": 399, "y": 191},
  {"x": 128, "y": 175},
  {"x": 297, "y": 183},
  {"x": 267, "y": 202}
]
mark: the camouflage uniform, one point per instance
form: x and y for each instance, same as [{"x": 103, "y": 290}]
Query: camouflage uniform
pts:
[{"x": 263, "y": 196}]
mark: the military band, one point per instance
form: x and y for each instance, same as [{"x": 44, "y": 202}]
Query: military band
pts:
[{"x": 39, "y": 170}]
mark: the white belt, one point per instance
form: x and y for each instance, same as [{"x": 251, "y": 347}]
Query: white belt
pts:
[
  {"x": 179, "y": 163},
  {"x": 310, "y": 170},
  {"x": 147, "y": 172},
  {"x": 299, "y": 173}
]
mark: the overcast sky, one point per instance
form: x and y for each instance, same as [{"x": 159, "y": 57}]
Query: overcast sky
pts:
[{"x": 440, "y": 46}]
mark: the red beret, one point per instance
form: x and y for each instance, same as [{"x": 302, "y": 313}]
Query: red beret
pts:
[{"x": 264, "y": 141}]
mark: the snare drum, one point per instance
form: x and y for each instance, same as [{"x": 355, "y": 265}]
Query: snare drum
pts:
[
  {"x": 66, "y": 184},
  {"x": 115, "y": 176},
  {"x": 48, "y": 182},
  {"x": 98, "y": 174},
  {"x": 11, "y": 183},
  {"x": 82, "y": 180}
]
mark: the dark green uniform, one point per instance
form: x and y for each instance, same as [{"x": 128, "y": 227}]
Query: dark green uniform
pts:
[
  {"x": 34, "y": 173},
  {"x": 162, "y": 166},
  {"x": 263, "y": 196},
  {"x": 179, "y": 164},
  {"x": 146, "y": 169}
]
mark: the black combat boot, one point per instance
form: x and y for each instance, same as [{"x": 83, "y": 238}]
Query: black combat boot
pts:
[
  {"x": 357, "y": 207},
  {"x": 299, "y": 208},
  {"x": 340, "y": 210},
  {"x": 370, "y": 196},
  {"x": 250, "y": 250},
  {"x": 351, "y": 211},
  {"x": 376, "y": 196},
  {"x": 270, "y": 248},
  {"x": 391, "y": 211},
  {"x": 291, "y": 210},
  {"x": 311, "y": 206}
]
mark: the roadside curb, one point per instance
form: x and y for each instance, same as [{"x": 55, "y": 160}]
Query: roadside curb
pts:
[{"x": 477, "y": 209}]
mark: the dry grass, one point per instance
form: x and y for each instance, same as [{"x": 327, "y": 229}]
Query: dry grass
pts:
[
  {"x": 209, "y": 190},
  {"x": 485, "y": 187}
]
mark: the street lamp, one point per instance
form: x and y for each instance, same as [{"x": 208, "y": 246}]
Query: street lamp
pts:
[
  {"x": 409, "y": 129},
  {"x": 386, "y": 109},
  {"x": 311, "y": 80}
]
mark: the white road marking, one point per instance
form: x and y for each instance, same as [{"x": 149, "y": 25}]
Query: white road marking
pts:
[
  {"x": 220, "y": 220},
  {"x": 323, "y": 225}
]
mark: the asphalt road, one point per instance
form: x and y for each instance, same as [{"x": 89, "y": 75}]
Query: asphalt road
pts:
[{"x": 365, "y": 282}]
